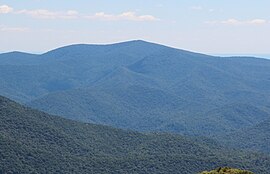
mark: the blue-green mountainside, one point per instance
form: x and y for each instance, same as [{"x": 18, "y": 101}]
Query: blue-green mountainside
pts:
[
  {"x": 147, "y": 87},
  {"x": 35, "y": 142}
]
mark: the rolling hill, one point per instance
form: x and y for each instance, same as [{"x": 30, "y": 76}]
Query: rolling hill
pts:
[
  {"x": 143, "y": 86},
  {"x": 18, "y": 58},
  {"x": 255, "y": 137},
  {"x": 35, "y": 142}
]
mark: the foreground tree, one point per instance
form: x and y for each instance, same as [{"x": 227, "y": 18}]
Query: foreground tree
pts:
[{"x": 227, "y": 170}]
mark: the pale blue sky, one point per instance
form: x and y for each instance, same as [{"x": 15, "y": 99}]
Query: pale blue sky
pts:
[{"x": 213, "y": 27}]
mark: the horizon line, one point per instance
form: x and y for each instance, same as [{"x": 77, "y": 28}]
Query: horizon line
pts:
[{"x": 267, "y": 55}]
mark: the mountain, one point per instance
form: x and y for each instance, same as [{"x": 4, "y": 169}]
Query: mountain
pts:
[
  {"x": 68, "y": 68},
  {"x": 18, "y": 58},
  {"x": 255, "y": 137},
  {"x": 145, "y": 87},
  {"x": 35, "y": 142}
]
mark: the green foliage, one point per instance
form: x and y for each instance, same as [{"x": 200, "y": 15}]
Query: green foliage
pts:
[
  {"x": 227, "y": 170},
  {"x": 144, "y": 87},
  {"x": 256, "y": 137},
  {"x": 35, "y": 142}
]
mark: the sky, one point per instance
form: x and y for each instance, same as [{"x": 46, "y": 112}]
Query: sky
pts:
[{"x": 212, "y": 27}]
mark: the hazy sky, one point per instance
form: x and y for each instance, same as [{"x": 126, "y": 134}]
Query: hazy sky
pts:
[{"x": 221, "y": 27}]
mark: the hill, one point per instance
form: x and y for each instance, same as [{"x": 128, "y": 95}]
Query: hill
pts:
[
  {"x": 18, "y": 58},
  {"x": 145, "y": 87},
  {"x": 35, "y": 142},
  {"x": 252, "y": 138}
]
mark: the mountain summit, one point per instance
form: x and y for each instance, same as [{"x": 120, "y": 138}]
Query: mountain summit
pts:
[{"x": 142, "y": 86}]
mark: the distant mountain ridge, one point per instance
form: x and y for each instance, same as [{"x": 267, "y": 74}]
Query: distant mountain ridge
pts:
[
  {"x": 17, "y": 58},
  {"x": 143, "y": 86}
]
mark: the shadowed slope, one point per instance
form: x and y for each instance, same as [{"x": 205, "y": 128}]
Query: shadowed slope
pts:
[{"x": 35, "y": 142}]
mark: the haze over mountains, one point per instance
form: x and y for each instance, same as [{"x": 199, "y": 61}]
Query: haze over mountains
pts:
[{"x": 144, "y": 87}]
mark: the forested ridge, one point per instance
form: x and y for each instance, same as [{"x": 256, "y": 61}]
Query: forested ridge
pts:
[{"x": 35, "y": 142}]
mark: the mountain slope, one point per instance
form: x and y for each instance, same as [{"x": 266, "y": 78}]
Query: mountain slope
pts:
[
  {"x": 113, "y": 107},
  {"x": 69, "y": 67},
  {"x": 18, "y": 58},
  {"x": 35, "y": 142},
  {"x": 144, "y": 86},
  {"x": 252, "y": 138}
]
